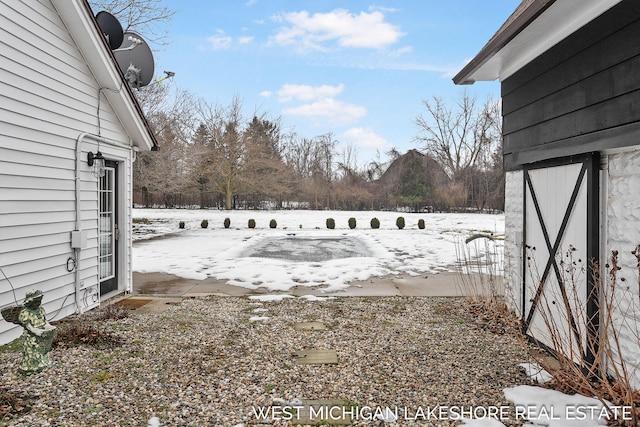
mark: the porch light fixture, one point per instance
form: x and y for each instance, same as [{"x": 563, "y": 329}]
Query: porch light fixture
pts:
[{"x": 96, "y": 161}]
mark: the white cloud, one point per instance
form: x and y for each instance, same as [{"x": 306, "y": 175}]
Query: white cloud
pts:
[
  {"x": 307, "y": 93},
  {"x": 383, "y": 9},
  {"x": 245, "y": 40},
  {"x": 266, "y": 93},
  {"x": 402, "y": 51},
  {"x": 366, "y": 138},
  {"x": 314, "y": 32},
  {"x": 334, "y": 111},
  {"x": 220, "y": 41}
]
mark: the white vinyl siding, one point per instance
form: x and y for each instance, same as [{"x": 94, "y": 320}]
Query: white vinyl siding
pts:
[{"x": 48, "y": 98}]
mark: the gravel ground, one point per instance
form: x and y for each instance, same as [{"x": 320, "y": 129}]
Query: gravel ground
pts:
[{"x": 203, "y": 362}]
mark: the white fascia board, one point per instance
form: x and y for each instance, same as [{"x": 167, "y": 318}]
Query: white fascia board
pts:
[
  {"x": 562, "y": 19},
  {"x": 98, "y": 58}
]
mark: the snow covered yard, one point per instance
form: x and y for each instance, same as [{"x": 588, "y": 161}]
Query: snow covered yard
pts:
[{"x": 195, "y": 252}]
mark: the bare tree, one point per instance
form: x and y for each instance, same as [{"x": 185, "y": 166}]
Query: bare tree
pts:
[
  {"x": 266, "y": 174},
  {"x": 456, "y": 138},
  {"x": 463, "y": 140},
  {"x": 148, "y": 18},
  {"x": 161, "y": 101},
  {"x": 312, "y": 162},
  {"x": 168, "y": 170},
  {"x": 224, "y": 151},
  {"x": 163, "y": 172},
  {"x": 348, "y": 163},
  {"x": 393, "y": 153}
]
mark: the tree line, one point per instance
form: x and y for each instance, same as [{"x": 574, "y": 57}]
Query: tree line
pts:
[{"x": 211, "y": 155}]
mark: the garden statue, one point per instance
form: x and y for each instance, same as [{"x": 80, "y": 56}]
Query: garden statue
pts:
[{"x": 37, "y": 336}]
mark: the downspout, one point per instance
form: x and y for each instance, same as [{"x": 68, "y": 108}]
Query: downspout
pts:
[
  {"x": 132, "y": 158},
  {"x": 77, "y": 248},
  {"x": 78, "y": 225}
]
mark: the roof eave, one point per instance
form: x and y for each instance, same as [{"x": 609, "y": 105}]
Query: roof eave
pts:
[
  {"x": 535, "y": 27},
  {"x": 83, "y": 27},
  {"x": 501, "y": 39}
]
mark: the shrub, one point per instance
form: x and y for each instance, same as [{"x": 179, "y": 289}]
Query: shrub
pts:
[
  {"x": 252, "y": 223},
  {"x": 375, "y": 223},
  {"x": 181, "y": 224},
  {"x": 141, "y": 221},
  {"x": 331, "y": 223},
  {"x": 227, "y": 222},
  {"x": 273, "y": 223},
  {"x": 352, "y": 223},
  {"x": 421, "y": 224},
  {"x": 204, "y": 223},
  {"x": 400, "y": 222}
]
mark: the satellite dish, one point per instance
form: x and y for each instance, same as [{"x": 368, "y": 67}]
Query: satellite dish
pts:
[
  {"x": 111, "y": 29},
  {"x": 135, "y": 60}
]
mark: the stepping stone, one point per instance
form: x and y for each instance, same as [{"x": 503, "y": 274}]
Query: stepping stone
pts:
[
  {"x": 310, "y": 326},
  {"x": 323, "y": 412},
  {"x": 132, "y": 303},
  {"x": 316, "y": 357}
]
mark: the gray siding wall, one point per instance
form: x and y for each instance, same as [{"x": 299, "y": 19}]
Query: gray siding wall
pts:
[
  {"x": 582, "y": 95},
  {"x": 48, "y": 97}
]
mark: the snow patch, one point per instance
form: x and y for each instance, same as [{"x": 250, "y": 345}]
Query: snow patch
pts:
[
  {"x": 536, "y": 373},
  {"x": 269, "y": 298}
]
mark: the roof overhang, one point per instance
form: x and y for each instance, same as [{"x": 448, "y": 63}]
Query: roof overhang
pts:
[
  {"x": 535, "y": 27},
  {"x": 79, "y": 20}
]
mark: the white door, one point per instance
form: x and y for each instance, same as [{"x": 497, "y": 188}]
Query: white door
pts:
[
  {"x": 561, "y": 246},
  {"x": 108, "y": 230}
]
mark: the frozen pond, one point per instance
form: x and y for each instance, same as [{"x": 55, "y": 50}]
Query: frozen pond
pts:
[{"x": 309, "y": 249}]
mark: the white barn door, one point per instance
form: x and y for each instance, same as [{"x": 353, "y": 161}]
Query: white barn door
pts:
[{"x": 561, "y": 244}]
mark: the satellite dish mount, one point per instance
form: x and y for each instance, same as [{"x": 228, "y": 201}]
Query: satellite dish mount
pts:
[{"x": 135, "y": 60}]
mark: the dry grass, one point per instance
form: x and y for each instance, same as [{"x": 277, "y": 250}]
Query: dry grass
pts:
[
  {"x": 480, "y": 278},
  {"x": 70, "y": 334},
  {"x": 609, "y": 376},
  {"x": 89, "y": 329},
  {"x": 13, "y": 404}
]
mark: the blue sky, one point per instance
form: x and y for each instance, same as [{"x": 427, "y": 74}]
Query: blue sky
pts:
[{"x": 357, "y": 69}]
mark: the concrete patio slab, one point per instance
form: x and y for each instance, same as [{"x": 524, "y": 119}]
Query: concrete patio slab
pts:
[
  {"x": 147, "y": 304},
  {"x": 161, "y": 284},
  {"x": 324, "y": 412},
  {"x": 316, "y": 357},
  {"x": 310, "y": 326},
  {"x": 432, "y": 284}
]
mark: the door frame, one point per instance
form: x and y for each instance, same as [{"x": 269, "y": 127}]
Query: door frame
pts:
[
  {"x": 590, "y": 172},
  {"x": 112, "y": 283}
]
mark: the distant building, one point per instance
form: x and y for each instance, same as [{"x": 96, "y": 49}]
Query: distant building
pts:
[
  {"x": 63, "y": 230},
  {"x": 412, "y": 165}
]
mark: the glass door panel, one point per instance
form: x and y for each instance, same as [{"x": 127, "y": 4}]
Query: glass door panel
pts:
[{"x": 107, "y": 231}]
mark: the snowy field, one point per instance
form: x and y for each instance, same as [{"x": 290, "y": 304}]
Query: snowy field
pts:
[{"x": 258, "y": 257}]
